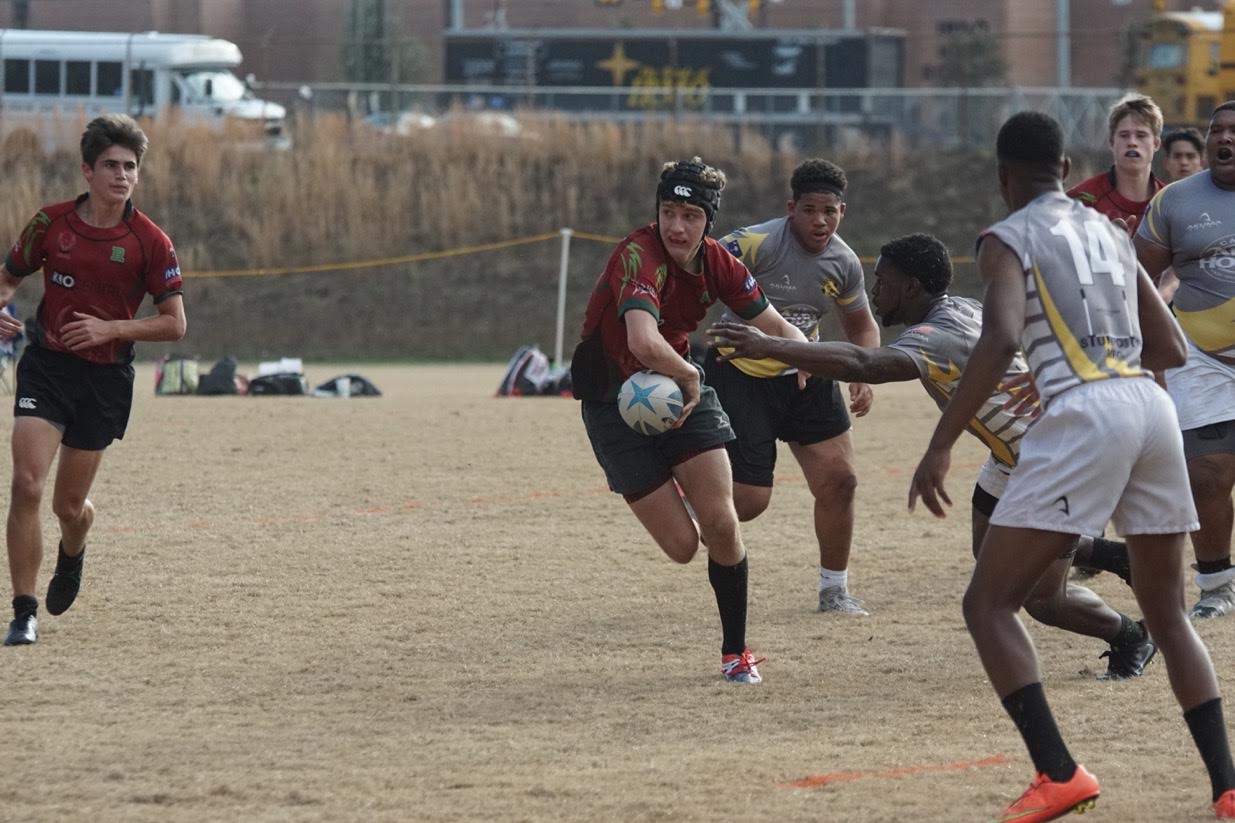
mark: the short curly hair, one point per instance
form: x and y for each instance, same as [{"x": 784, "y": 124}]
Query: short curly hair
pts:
[
  {"x": 816, "y": 175},
  {"x": 923, "y": 257},
  {"x": 112, "y": 130},
  {"x": 1031, "y": 138}
]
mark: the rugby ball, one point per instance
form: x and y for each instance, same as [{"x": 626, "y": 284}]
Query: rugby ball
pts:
[{"x": 650, "y": 402}]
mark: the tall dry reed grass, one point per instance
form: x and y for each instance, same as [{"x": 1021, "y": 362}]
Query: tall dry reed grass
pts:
[{"x": 345, "y": 193}]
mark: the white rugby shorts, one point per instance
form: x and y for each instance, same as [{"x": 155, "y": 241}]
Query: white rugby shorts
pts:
[
  {"x": 1104, "y": 451},
  {"x": 1203, "y": 390},
  {"x": 993, "y": 477}
]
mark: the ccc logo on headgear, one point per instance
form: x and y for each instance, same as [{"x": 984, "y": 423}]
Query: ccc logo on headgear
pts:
[{"x": 681, "y": 191}]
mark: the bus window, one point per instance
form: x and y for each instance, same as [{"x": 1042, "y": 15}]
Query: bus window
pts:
[
  {"x": 1165, "y": 55},
  {"x": 141, "y": 87},
  {"x": 16, "y": 76},
  {"x": 47, "y": 77},
  {"x": 77, "y": 78},
  {"x": 109, "y": 80}
]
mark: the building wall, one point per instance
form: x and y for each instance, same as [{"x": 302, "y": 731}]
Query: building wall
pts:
[{"x": 302, "y": 40}]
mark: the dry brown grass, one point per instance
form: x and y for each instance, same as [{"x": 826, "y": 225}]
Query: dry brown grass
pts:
[{"x": 425, "y": 608}]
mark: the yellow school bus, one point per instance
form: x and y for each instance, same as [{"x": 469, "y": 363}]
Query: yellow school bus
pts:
[{"x": 1180, "y": 64}]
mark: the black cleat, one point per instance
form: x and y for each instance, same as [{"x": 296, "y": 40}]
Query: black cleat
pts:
[
  {"x": 1129, "y": 661},
  {"x": 23, "y": 631},
  {"x": 65, "y": 583}
]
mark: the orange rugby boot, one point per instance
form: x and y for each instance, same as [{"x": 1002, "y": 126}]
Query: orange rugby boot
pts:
[{"x": 1047, "y": 800}]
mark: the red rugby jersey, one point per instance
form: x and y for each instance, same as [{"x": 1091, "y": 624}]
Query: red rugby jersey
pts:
[
  {"x": 640, "y": 274},
  {"x": 1099, "y": 192},
  {"x": 106, "y": 273}
]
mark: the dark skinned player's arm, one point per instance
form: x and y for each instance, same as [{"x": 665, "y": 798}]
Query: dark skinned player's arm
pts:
[
  {"x": 1162, "y": 341},
  {"x": 835, "y": 361},
  {"x": 1153, "y": 257}
]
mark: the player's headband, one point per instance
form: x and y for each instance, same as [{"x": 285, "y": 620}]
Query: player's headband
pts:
[
  {"x": 819, "y": 188},
  {"x": 688, "y": 190}
]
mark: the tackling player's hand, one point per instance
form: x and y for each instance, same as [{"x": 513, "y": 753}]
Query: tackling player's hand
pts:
[
  {"x": 85, "y": 332},
  {"x": 861, "y": 397},
  {"x": 690, "y": 395},
  {"x": 928, "y": 481},
  {"x": 1022, "y": 395},
  {"x": 746, "y": 341}
]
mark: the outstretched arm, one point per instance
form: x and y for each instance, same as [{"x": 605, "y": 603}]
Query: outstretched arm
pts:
[
  {"x": 835, "y": 361},
  {"x": 1003, "y": 320}
]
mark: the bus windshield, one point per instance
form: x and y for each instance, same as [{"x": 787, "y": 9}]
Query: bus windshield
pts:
[
  {"x": 214, "y": 84},
  {"x": 1165, "y": 56}
]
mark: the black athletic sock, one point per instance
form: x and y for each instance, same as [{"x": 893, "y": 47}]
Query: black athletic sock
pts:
[
  {"x": 1209, "y": 731},
  {"x": 1131, "y": 633},
  {"x": 25, "y": 605},
  {"x": 69, "y": 563},
  {"x": 1213, "y": 566},
  {"x": 1111, "y": 556},
  {"x": 729, "y": 584},
  {"x": 1028, "y": 709}
]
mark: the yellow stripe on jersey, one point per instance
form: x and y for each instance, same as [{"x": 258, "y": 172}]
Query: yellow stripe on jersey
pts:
[
  {"x": 1212, "y": 329},
  {"x": 1080, "y": 362},
  {"x": 1151, "y": 225},
  {"x": 845, "y": 301},
  {"x": 749, "y": 245},
  {"x": 768, "y": 367},
  {"x": 1000, "y": 450}
]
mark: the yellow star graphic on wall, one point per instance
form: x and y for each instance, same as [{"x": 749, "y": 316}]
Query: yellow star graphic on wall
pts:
[{"x": 618, "y": 64}]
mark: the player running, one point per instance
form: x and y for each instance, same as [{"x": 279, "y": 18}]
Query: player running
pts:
[
  {"x": 804, "y": 267},
  {"x": 100, "y": 257},
  {"x": 654, "y": 291}
]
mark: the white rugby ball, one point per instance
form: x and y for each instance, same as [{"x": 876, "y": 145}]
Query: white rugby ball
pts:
[{"x": 650, "y": 402}]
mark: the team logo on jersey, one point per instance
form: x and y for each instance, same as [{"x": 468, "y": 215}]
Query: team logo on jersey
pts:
[
  {"x": 1218, "y": 258},
  {"x": 735, "y": 248},
  {"x": 67, "y": 241},
  {"x": 117, "y": 254},
  {"x": 831, "y": 289},
  {"x": 1205, "y": 222},
  {"x": 65, "y": 280}
]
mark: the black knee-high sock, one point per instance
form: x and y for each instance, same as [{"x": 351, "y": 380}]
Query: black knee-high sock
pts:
[
  {"x": 1111, "y": 556},
  {"x": 1029, "y": 711},
  {"x": 729, "y": 584},
  {"x": 25, "y": 605},
  {"x": 1209, "y": 731}
]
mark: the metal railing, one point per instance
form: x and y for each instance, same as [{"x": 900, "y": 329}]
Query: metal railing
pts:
[{"x": 917, "y": 116}]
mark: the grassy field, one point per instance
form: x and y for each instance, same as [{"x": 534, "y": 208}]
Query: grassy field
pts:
[{"x": 426, "y": 607}]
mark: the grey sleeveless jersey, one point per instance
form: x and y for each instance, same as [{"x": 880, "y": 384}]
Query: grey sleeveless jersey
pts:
[
  {"x": 1081, "y": 321},
  {"x": 940, "y": 345},
  {"x": 1195, "y": 221},
  {"x": 799, "y": 284}
]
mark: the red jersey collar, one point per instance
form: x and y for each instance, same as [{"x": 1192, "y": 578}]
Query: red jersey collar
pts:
[{"x": 94, "y": 232}]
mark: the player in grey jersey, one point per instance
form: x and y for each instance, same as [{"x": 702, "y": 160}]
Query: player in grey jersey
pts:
[
  {"x": 804, "y": 268},
  {"x": 912, "y": 276},
  {"x": 1063, "y": 285},
  {"x": 1190, "y": 226}
]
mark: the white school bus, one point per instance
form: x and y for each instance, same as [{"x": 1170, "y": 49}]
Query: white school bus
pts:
[{"x": 53, "y": 76}]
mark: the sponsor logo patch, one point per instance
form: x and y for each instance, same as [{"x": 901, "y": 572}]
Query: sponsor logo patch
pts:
[
  {"x": 65, "y": 280},
  {"x": 25, "y": 403},
  {"x": 117, "y": 254}
]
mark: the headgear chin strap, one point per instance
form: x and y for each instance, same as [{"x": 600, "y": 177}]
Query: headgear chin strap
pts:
[{"x": 682, "y": 184}]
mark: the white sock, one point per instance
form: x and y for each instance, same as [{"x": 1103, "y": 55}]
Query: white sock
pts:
[
  {"x": 829, "y": 579},
  {"x": 1208, "y": 582}
]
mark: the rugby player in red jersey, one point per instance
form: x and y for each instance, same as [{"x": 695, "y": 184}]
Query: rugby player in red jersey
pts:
[
  {"x": 100, "y": 257},
  {"x": 1123, "y": 191},
  {"x": 655, "y": 290}
]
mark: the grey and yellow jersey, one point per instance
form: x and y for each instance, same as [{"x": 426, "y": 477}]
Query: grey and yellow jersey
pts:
[
  {"x": 1081, "y": 321},
  {"x": 799, "y": 284},
  {"x": 940, "y": 346},
  {"x": 1195, "y": 221}
]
